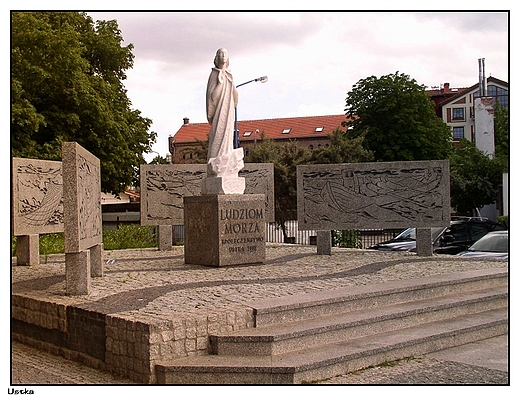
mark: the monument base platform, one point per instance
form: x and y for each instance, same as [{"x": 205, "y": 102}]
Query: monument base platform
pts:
[{"x": 224, "y": 230}]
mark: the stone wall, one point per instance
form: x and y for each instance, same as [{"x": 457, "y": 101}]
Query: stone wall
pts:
[{"x": 128, "y": 345}]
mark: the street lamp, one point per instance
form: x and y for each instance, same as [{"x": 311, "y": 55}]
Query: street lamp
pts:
[{"x": 236, "y": 143}]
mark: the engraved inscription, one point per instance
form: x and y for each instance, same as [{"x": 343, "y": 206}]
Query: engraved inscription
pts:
[{"x": 242, "y": 229}]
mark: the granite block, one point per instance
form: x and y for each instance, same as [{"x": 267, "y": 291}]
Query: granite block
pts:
[
  {"x": 77, "y": 272},
  {"x": 163, "y": 188},
  {"x": 222, "y": 230},
  {"x": 397, "y": 194},
  {"x": 164, "y": 237},
  {"x": 28, "y": 249},
  {"x": 81, "y": 198},
  {"x": 37, "y": 196},
  {"x": 323, "y": 243},
  {"x": 423, "y": 241}
]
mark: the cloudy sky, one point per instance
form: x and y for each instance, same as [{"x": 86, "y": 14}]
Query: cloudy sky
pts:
[{"x": 312, "y": 59}]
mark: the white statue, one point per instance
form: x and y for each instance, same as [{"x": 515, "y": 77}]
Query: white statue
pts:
[{"x": 224, "y": 162}]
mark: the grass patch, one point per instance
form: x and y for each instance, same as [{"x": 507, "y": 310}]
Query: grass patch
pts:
[
  {"x": 126, "y": 236},
  {"x": 129, "y": 236}
]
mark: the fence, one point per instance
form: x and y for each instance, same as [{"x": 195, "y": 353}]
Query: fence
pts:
[{"x": 274, "y": 234}]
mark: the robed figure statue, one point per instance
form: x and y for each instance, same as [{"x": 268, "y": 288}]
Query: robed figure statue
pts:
[{"x": 221, "y": 99}]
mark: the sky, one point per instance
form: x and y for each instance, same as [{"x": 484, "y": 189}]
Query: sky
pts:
[{"x": 312, "y": 59}]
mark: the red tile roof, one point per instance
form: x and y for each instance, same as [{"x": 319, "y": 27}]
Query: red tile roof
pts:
[{"x": 299, "y": 127}]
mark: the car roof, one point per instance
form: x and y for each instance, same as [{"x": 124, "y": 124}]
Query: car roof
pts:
[{"x": 499, "y": 232}]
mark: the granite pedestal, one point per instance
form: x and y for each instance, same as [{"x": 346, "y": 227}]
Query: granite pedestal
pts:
[{"x": 224, "y": 230}]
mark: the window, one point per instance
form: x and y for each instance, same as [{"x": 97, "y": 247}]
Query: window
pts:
[
  {"x": 458, "y": 231},
  {"x": 318, "y": 129},
  {"x": 458, "y": 132},
  {"x": 458, "y": 113},
  {"x": 286, "y": 130},
  {"x": 248, "y": 133},
  {"x": 500, "y": 94}
]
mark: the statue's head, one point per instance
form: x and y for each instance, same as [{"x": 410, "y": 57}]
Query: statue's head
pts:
[{"x": 221, "y": 58}]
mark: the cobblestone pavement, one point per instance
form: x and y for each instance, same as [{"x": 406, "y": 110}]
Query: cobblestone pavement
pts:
[{"x": 155, "y": 282}]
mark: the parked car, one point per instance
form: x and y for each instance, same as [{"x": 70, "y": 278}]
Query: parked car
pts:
[
  {"x": 458, "y": 237},
  {"x": 494, "y": 245}
]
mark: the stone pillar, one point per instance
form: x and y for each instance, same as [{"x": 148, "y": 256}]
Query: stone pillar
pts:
[
  {"x": 77, "y": 272},
  {"x": 164, "y": 237},
  {"x": 28, "y": 249},
  {"x": 222, "y": 230},
  {"x": 324, "y": 243},
  {"x": 96, "y": 260},
  {"x": 423, "y": 241}
]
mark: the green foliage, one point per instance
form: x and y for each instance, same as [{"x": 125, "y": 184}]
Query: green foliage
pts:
[
  {"x": 158, "y": 160},
  {"x": 48, "y": 244},
  {"x": 474, "y": 178},
  {"x": 285, "y": 158},
  {"x": 66, "y": 85},
  {"x": 342, "y": 149},
  {"x": 397, "y": 118},
  {"x": 129, "y": 236},
  {"x": 126, "y": 236},
  {"x": 503, "y": 220},
  {"x": 52, "y": 243},
  {"x": 501, "y": 124},
  {"x": 347, "y": 239}
]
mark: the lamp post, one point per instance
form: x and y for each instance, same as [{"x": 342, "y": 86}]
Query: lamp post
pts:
[{"x": 236, "y": 143}]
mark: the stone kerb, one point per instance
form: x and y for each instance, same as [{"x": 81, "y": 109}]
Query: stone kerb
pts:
[
  {"x": 36, "y": 206},
  {"x": 397, "y": 194},
  {"x": 163, "y": 188},
  {"x": 82, "y": 217}
]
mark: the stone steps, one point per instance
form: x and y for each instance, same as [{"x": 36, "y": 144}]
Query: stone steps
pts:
[{"x": 315, "y": 336}]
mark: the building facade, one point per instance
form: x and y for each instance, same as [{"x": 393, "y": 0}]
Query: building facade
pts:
[
  {"x": 311, "y": 132},
  {"x": 458, "y": 111}
]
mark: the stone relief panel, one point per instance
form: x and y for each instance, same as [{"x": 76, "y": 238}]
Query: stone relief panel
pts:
[
  {"x": 37, "y": 196},
  {"x": 162, "y": 190},
  {"x": 373, "y": 195},
  {"x": 164, "y": 186},
  {"x": 82, "y": 198}
]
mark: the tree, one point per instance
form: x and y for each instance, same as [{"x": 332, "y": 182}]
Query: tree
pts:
[
  {"x": 285, "y": 159},
  {"x": 66, "y": 85},
  {"x": 501, "y": 127},
  {"x": 474, "y": 178},
  {"x": 342, "y": 149},
  {"x": 398, "y": 119}
]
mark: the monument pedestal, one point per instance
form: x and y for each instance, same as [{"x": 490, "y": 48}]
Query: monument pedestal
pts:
[{"x": 223, "y": 230}]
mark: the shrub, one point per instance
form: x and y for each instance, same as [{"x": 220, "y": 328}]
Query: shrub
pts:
[{"x": 348, "y": 239}]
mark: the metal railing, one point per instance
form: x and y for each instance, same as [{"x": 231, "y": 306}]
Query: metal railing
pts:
[{"x": 274, "y": 234}]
